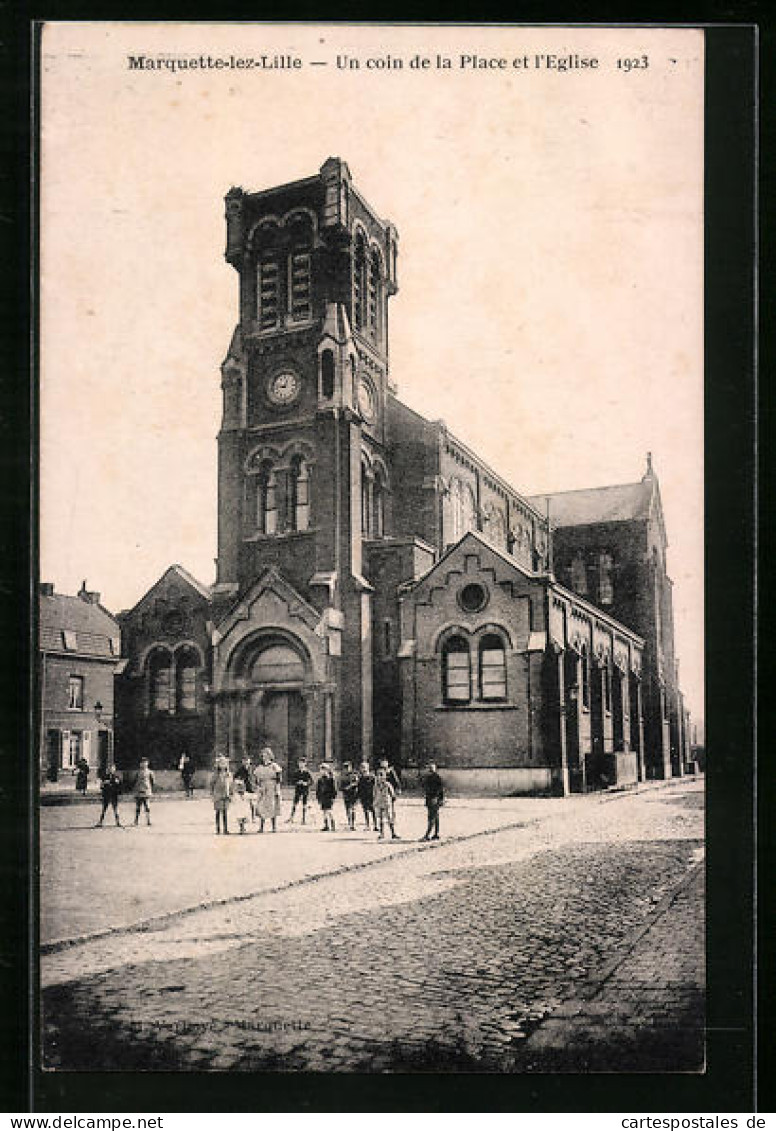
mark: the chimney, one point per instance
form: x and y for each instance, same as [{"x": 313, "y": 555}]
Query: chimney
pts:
[
  {"x": 89, "y": 596},
  {"x": 46, "y": 588}
]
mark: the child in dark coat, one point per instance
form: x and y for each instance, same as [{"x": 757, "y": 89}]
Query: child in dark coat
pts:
[
  {"x": 435, "y": 797},
  {"x": 326, "y": 791},
  {"x": 349, "y": 787},
  {"x": 110, "y": 788},
  {"x": 303, "y": 779}
]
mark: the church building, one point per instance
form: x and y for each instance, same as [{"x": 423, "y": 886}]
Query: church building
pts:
[{"x": 380, "y": 591}]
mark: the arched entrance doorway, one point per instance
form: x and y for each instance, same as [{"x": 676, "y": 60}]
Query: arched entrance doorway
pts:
[
  {"x": 268, "y": 699},
  {"x": 276, "y": 707}
]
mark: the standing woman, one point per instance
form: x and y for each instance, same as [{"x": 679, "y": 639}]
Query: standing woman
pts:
[{"x": 267, "y": 777}]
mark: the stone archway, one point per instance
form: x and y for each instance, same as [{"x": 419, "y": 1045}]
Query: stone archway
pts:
[{"x": 269, "y": 700}]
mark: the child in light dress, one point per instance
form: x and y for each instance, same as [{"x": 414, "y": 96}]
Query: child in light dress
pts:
[{"x": 241, "y": 809}]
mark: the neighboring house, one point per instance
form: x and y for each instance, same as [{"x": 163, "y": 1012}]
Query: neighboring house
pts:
[
  {"x": 380, "y": 591},
  {"x": 80, "y": 650}
]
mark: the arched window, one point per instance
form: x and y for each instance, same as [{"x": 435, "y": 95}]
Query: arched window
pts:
[
  {"x": 585, "y": 673},
  {"x": 379, "y": 509},
  {"x": 378, "y": 503},
  {"x": 186, "y": 668},
  {"x": 373, "y": 297},
  {"x": 268, "y": 291},
  {"x": 359, "y": 283},
  {"x": 493, "y": 668},
  {"x": 456, "y": 671},
  {"x": 469, "y": 510},
  {"x": 278, "y": 663},
  {"x": 299, "y": 285},
  {"x": 578, "y": 573},
  {"x": 267, "y": 515},
  {"x": 366, "y": 501},
  {"x": 456, "y": 511},
  {"x": 605, "y": 586},
  {"x": 607, "y": 678},
  {"x": 327, "y": 373},
  {"x": 299, "y": 494},
  {"x": 160, "y": 682}
]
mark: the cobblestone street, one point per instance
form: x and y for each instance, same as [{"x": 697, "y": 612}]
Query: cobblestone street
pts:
[{"x": 570, "y": 939}]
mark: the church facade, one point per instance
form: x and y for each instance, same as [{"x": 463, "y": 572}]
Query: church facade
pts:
[{"x": 380, "y": 591}]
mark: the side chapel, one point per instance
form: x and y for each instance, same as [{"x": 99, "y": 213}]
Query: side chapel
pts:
[{"x": 380, "y": 591}]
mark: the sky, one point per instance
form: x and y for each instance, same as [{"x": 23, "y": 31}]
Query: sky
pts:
[{"x": 550, "y": 219}]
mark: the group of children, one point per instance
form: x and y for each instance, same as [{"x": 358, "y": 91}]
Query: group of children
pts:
[{"x": 253, "y": 793}]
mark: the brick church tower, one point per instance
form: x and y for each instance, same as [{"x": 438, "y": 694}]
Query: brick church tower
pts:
[{"x": 301, "y": 458}]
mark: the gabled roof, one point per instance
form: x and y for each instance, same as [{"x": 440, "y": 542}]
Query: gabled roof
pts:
[
  {"x": 184, "y": 575},
  {"x": 477, "y": 537},
  {"x": 94, "y": 627},
  {"x": 622, "y": 503}
]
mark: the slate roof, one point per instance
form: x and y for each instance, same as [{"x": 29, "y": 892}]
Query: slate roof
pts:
[
  {"x": 622, "y": 503},
  {"x": 93, "y": 626}
]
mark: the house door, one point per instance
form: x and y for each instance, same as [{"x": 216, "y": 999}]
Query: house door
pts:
[{"x": 281, "y": 726}]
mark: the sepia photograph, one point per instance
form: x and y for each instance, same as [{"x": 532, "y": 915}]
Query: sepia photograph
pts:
[{"x": 371, "y": 727}]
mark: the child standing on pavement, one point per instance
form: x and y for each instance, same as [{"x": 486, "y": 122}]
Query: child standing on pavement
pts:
[
  {"x": 435, "y": 797},
  {"x": 349, "y": 786},
  {"x": 366, "y": 794},
  {"x": 385, "y": 797},
  {"x": 303, "y": 779},
  {"x": 326, "y": 791},
  {"x": 110, "y": 788},
  {"x": 221, "y": 792},
  {"x": 144, "y": 788},
  {"x": 241, "y": 810}
]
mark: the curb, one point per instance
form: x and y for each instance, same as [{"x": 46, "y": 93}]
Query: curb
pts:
[
  {"x": 626, "y": 948},
  {"x": 57, "y": 945}
]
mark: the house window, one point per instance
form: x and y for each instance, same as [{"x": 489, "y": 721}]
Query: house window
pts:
[
  {"x": 585, "y": 664},
  {"x": 269, "y": 293},
  {"x": 605, "y": 587},
  {"x": 75, "y": 693},
  {"x": 72, "y": 749},
  {"x": 456, "y": 671},
  {"x": 493, "y": 668},
  {"x": 299, "y": 286},
  {"x": 578, "y": 574},
  {"x": 299, "y": 494},
  {"x": 267, "y": 515},
  {"x": 71, "y": 642},
  {"x": 327, "y": 373}
]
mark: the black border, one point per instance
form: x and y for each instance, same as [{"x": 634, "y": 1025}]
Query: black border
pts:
[{"x": 728, "y": 1085}]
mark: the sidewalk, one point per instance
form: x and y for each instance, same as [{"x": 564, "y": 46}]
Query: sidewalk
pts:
[{"x": 644, "y": 1010}]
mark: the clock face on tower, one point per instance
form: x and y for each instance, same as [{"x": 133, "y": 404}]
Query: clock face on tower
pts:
[
  {"x": 366, "y": 401},
  {"x": 283, "y": 388}
]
